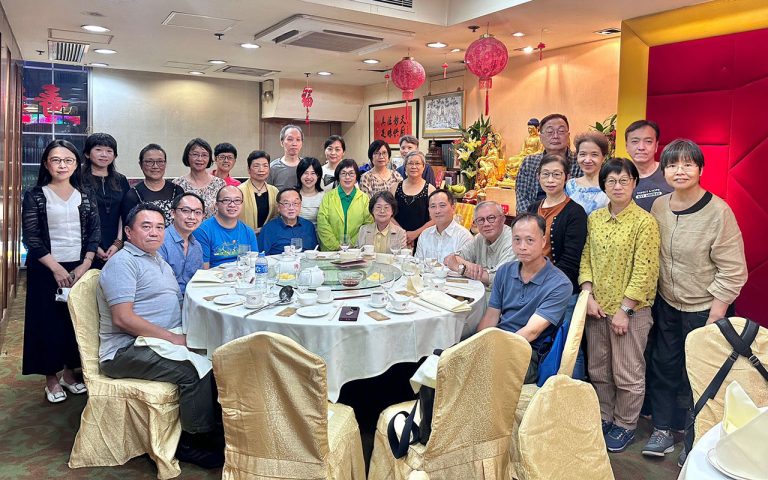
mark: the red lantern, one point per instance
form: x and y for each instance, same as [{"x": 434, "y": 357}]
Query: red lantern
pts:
[
  {"x": 486, "y": 57},
  {"x": 408, "y": 75}
]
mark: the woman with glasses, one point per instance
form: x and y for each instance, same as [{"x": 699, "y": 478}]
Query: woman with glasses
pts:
[
  {"x": 703, "y": 269},
  {"x": 334, "y": 148},
  {"x": 309, "y": 177},
  {"x": 108, "y": 186},
  {"x": 620, "y": 268},
  {"x": 591, "y": 149},
  {"x": 381, "y": 177},
  {"x": 412, "y": 196},
  {"x": 259, "y": 198},
  {"x": 226, "y": 157},
  {"x": 60, "y": 228},
  {"x": 343, "y": 210},
  {"x": 198, "y": 156},
  {"x": 383, "y": 233},
  {"x": 154, "y": 188}
]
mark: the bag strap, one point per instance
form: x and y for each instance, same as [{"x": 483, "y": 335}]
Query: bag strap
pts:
[
  {"x": 399, "y": 446},
  {"x": 743, "y": 344}
]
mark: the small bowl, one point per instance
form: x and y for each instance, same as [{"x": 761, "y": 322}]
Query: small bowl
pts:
[
  {"x": 306, "y": 299},
  {"x": 310, "y": 254},
  {"x": 441, "y": 272},
  {"x": 399, "y": 302},
  {"x": 244, "y": 289},
  {"x": 351, "y": 278},
  {"x": 351, "y": 254}
]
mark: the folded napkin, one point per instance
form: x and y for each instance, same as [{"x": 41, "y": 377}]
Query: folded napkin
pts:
[
  {"x": 445, "y": 301},
  {"x": 743, "y": 446},
  {"x": 207, "y": 276},
  {"x": 426, "y": 374},
  {"x": 415, "y": 284},
  {"x": 179, "y": 353}
]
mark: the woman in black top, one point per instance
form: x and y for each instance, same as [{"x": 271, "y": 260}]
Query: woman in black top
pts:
[
  {"x": 60, "y": 228},
  {"x": 412, "y": 196},
  {"x": 154, "y": 189},
  {"x": 109, "y": 187}
]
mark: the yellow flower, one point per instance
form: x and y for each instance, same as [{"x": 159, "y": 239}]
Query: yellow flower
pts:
[{"x": 464, "y": 155}]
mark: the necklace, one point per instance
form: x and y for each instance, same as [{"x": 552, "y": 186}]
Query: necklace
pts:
[{"x": 259, "y": 190}]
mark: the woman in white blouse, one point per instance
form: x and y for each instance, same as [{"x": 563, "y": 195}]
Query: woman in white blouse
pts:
[
  {"x": 60, "y": 227},
  {"x": 309, "y": 176}
]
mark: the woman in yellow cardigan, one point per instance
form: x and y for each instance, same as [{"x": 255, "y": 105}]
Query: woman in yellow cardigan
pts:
[
  {"x": 344, "y": 209},
  {"x": 259, "y": 198}
]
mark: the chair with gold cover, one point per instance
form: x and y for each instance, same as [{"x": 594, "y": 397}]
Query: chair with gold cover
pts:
[
  {"x": 560, "y": 436},
  {"x": 124, "y": 418},
  {"x": 706, "y": 349},
  {"x": 278, "y": 422},
  {"x": 478, "y": 384}
]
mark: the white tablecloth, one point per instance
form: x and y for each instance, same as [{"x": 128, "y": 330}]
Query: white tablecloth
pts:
[{"x": 351, "y": 350}]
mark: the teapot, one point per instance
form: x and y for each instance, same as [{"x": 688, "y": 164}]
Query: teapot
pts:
[{"x": 313, "y": 277}]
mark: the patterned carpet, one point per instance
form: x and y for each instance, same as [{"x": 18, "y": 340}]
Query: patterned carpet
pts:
[{"x": 36, "y": 437}]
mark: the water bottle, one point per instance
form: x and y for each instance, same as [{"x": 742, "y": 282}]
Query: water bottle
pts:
[{"x": 262, "y": 272}]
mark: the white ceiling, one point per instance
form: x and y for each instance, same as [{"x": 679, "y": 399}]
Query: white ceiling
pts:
[{"x": 143, "y": 43}]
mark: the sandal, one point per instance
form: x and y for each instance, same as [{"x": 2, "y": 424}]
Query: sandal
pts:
[
  {"x": 76, "y": 388},
  {"x": 55, "y": 397}
]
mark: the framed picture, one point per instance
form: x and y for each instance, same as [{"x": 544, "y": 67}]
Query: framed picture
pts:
[
  {"x": 443, "y": 113},
  {"x": 390, "y": 121}
]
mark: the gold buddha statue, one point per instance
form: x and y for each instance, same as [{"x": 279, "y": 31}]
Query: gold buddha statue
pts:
[{"x": 531, "y": 145}]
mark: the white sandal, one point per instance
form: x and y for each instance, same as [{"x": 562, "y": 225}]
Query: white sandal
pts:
[
  {"x": 55, "y": 397},
  {"x": 76, "y": 388}
]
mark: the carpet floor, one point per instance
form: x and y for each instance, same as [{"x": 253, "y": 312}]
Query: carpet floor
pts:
[{"x": 36, "y": 436}]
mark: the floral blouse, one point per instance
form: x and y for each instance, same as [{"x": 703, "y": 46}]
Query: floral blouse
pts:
[
  {"x": 371, "y": 183},
  {"x": 207, "y": 193}
]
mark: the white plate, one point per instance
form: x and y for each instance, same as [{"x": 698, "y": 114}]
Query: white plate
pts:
[
  {"x": 410, "y": 309},
  {"x": 712, "y": 458},
  {"x": 227, "y": 299},
  {"x": 377, "y": 305},
  {"x": 314, "y": 311},
  {"x": 330, "y": 300}
]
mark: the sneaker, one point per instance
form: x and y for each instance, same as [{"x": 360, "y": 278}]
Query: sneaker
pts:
[
  {"x": 682, "y": 457},
  {"x": 606, "y": 426},
  {"x": 660, "y": 443},
  {"x": 618, "y": 439},
  {"x": 200, "y": 457}
]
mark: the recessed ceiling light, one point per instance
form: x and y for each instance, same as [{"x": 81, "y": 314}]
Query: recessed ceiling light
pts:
[
  {"x": 528, "y": 50},
  {"x": 195, "y": 72},
  {"x": 94, "y": 28},
  {"x": 437, "y": 45},
  {"x": 454, "y": 50},
  {"x": 609, "y": 31},
  {"x": 518, "y": 34},
  {"x": 249, "y": 45},
  {"x": 325, "y": 74},
  {"x": 98, "y": 64},
  {"x": 370, "y": 61},
  {"x": 105, "y": 51},
  {"x": 217, "y": 62}
]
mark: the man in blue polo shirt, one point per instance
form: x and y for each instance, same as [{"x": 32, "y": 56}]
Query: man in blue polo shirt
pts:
[
  {"x": 278, "y": 232},
  {"x": 180, "y": 249},
  {"x": 528, "y": 296}
]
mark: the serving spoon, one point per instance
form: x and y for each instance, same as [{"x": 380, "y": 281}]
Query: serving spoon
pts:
[{"x": 285, "y": 294}]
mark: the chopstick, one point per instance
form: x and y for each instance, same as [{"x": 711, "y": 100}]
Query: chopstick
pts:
[
  {"x": 230, "y": 306},
  {"x": 352, "y": 296}
]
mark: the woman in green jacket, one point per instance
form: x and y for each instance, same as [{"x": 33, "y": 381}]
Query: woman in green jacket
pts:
[{"x": 344, "y": 209}]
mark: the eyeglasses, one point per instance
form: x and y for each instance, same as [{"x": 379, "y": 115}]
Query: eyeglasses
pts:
[
  {"x": 686, "y": 167},
  {"x": 291, "y": 204},
  {"x": 66, "y": 161},
  {"x": 414, "y": 164},
  {"x": 199, "y": 155},
  {"x": 623, "y": 181},
  {"x": 189, "y": 211},
  {"x": 380, "y": 154},
  {"x": 551, "y": 132},
  {"x": 154, "y": 163},
  {"x": 490, "y": 219},
  {"x": 231, "y": 201},
  {"x": 347, "y": 174},
  {"x": 382, "y": 208},
  {"x": 555, "y": 175},
  {"x": 226, "y": 157}
]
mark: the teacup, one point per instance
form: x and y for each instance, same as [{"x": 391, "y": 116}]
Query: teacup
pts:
[
  {"x": 378, "y": 299},
  {"x": 441, "y": 272},
  {"x": 230, "y": 274},
  {"x": 367, "y": 250},
  {"x": 307, "y": 299},
  {"x": 243, "y": 287},
  {"x": 310, "y": 254},
  {"x": 386, "y": 258},
  {"x": 324, "y": 294},
  {"x": 429, "y": 279},
  {"x": 438, "y": 284},
  {"x": 253, "y": 298},
  {"x": 351, "y": 254},
  {"x": 399, "y": 302}
]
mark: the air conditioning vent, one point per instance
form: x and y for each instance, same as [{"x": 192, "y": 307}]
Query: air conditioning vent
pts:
[
  {"x": 334, "y": 41},
  {"x": 251, "y": 72},
  {"x": 72, "y": 52},
  {"x": 396, "y": 3}
]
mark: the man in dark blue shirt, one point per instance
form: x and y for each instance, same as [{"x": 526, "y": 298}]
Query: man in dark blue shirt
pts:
[{"x": 278, "y": 232}]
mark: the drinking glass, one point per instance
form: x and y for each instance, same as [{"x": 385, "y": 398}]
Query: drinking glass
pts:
[
  {"x": 272, "y": 274},
  {"x": 296, "y": 245},
  {"x": 243, "y": 249},
  {"x": 243, "y": 266},
  {"x": 303, "y": 281},
  {"x": 344, "y": 242}
]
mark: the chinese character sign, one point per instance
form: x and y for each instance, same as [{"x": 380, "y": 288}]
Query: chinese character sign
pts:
[{"x": 390, "y": 122}]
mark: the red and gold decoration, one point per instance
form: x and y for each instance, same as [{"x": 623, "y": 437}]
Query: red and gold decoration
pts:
[
  {"x": 50, "y": 101},
  {"x": 486, "y": 57},
  {"x": 408, "y": 75},
  {"x": 306, "y": 98},
  {"x": 479, "y": 151}
]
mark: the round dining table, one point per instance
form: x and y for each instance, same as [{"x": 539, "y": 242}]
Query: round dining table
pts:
[{"x": 351, "y": 350}]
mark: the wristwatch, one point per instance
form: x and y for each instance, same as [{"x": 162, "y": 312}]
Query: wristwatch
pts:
[
  {"x": 628, "y": 310},
  {"x": 462, "y": 269}
]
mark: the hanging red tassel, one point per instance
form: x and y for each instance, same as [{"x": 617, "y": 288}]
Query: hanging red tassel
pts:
[
  {"x": 486, "y": 103},
  {"x": 386, "y": 78},
  {"x": 407, "y": 118},
  {"x": 541, "y": 47},
  {"x": 445, "y": 70}
]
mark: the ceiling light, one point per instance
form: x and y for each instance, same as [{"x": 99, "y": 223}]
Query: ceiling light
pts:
[
  {"x": 249, "y": 45},
  {"x": 105, "y": 51},
  {"x": 98, "y": 64},
  {"x": 217, "y": 62},
  {"x": 325, "y": 74},
  {"x": 370, "y": 61},
  {"x": 609, "y": 31},
  {"x": 528, "y": 50},
  {"x": 195, "y": 72},
  {"x": 94, "y": 28},
  {"x": 437, "y": 45},
  {"x": 518, "y": 34},
  {"x": 454, "y": 50}
]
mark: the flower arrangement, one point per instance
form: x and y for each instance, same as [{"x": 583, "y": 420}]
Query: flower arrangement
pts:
[
  {"x": 479, "y": 153},
  {"x": 608, "y": 128}
]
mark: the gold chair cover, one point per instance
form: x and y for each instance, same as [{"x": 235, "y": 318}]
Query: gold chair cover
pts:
[
  {"x": 478, "y": 384},
  {"x": 278, "y": 422},
  {"x": 561, "y": 436},
  {"x": 705, "y": 351},
  {"x": 124, "y": 418}
]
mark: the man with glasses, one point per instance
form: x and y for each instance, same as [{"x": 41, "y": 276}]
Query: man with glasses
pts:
[
  {"x": 642, "y": 139},
  {"x": 154, "y": 188},
  {"x": 225, "y": 155},
  {"x": 528, "y": 296},
  {"x": 409, "y": 143},
  {"x": 446, "y": 235},
  {"x": 180, "y": 249},
  {"x": 278, "y": 232},
  {"x": 556, "y": 139},
  {"x": 491, "y": 248},
  {"x": 223, "y": 236}
]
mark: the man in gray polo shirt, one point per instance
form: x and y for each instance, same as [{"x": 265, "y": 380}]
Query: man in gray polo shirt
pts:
[
  {"x": 139, "y": 296},
  {"x": 528, "y": 296}
]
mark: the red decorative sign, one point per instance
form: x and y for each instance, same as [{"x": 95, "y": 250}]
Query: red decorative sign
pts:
[
  {"x": 390, "y": 124},
  {"x": 50, "y": 101}
]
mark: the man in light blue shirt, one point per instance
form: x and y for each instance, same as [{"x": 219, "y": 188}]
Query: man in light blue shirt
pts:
[
  {"x": 279, "y": 232},
  {"x": 180, "y": 249},
  {"x": 222, "y": 235}
]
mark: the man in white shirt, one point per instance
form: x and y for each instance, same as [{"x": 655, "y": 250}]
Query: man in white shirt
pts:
[
  {"x": 491, "y": 248},
  {"x": 445, "y": 236}
]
